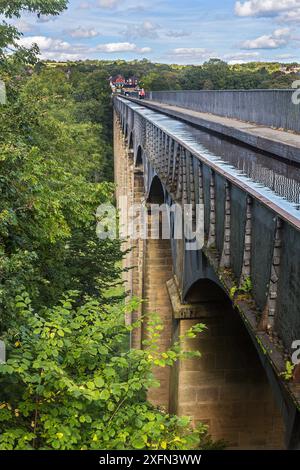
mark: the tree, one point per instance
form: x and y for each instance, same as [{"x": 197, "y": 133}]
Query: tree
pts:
[
  {"x": 11, "y": 8},
  {"x": 160, "y": 80},
  {"x": 54, "y": 164},
  {"x": 9, "y": 35},
  {"x": 69, "y": 383}
]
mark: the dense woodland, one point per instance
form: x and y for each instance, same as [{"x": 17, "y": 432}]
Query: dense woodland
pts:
[
  {"x": 70, "y": 381},
  {"x": 214, "y": 74}
]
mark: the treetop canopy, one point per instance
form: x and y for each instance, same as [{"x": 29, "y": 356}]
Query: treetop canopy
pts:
[{"x": 10, "y": 8}]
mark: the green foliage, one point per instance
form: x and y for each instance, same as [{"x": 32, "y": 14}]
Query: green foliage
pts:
[
  {"x": 9, "y": 35},
  {"x": 214, "y": 74},
  {"x": 247, "y": 286},
  {"x": 53, "y": 171},
  {"x": 233, "y": 291},
  {"x": 69, "y": 384},
  {"x": 289, "y": 371},
  {"x": 243, "y": 289},
  {"x": 41, "y": 7}
]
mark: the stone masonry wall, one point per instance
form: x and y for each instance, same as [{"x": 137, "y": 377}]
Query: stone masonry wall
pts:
[
  {"x": 227, "y": 387},
  {"x": 158, "y": 270}
]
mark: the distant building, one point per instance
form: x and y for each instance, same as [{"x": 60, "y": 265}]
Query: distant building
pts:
[
  {"x": 118, "y": 81},
  {"x": 289, "y": 69},
  {"x": 132, "y": 82}
]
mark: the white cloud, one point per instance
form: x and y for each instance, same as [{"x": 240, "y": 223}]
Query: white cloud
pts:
[
  {"x": 85, "y": 6},
  {"x": 292, "y": 16},
  {"x": 23, "y": 25},
  {"x": 122, "y": 47},
  {"x": 177, "y": 34},
  {"x": 61, "y": 56},
  {"x": 285, "y": 11},
  {"x": 83, "y": 33},
  {"x": 145, "y": 30},
  {"x": 264, "y": 7},
  {"x": 108, "y": 3},
  {"x": 282, "y": 32},
  {"x": 286, "y": 56},
  {"x": 55, "y": 49},
  {"x": 150, "y": 30},
  {"x": 46, "y": 18},
  {"x": 45, "y": 43},
  {"x": 191, "y": 52},
  {"x": 58, "y": 49},
  {"x": 279, "y": 38},
  {"x": 241, "y": 57}
]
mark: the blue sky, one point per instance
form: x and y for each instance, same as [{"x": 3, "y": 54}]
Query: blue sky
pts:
[{"x": 171, "y": 31}]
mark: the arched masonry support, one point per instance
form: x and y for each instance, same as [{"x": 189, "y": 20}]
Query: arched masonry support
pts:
[
  {"x": 251, "y": 245},
  {"x": 227, "y": 387}
]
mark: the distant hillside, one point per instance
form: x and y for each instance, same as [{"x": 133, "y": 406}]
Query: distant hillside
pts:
[{"x": 212, "y": 75}]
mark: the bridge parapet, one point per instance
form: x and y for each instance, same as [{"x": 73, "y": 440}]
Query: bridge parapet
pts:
[
  {"x": 248, "y": 230},
  {"x": 273, "y": 108}
]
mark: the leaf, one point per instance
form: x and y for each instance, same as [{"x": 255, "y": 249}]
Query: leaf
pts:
[
  {"x": 56, "y": 444},
  {"x": 104, "y": 395},
  {"x": 99, "y": 382},
  {"x": 90, "y": 385},
  {"x": 138, "y": 442}
]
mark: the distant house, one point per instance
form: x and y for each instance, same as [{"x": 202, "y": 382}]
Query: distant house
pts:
[
  {"x": 288, "y": 69},
  {"x": 118, "y": 81},
  {"x": 132, "y": 81}
]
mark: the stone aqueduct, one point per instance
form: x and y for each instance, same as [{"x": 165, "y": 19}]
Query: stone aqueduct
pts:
[{"x": 235, "y": 387}]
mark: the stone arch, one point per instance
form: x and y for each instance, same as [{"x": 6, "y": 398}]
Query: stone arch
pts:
[
  {"x": 131, "y": 141},
  {"x": 227, "y": 387},
  {"x": 156, "y": 193},
  {"x": 126, "y": 132},
  {"x": 139, "y": 161},
  {"x": 205, "y": 290}
]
